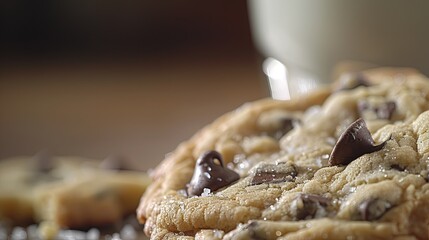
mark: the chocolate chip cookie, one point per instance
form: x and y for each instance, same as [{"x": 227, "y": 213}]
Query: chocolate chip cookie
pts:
[
  {"x": 346, "y": 162},
  {"x": 69, "y": 192}
]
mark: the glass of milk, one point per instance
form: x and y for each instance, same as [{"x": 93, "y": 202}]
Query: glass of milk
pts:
[{"x": 306, "y": 41}]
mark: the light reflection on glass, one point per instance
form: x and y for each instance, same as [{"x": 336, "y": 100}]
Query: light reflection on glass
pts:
[
  {"x": 277, "y": 78},
  {"x": 280, "y": 83}
]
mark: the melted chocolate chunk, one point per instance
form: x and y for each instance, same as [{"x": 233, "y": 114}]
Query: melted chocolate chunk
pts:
[
  {"x": 210, "y": 174},
  {"x": 43, "y": 161},
  {"x": 354, "y": 142},
  {"x": 274, "y": 174},
  {"x": 305, "y": 206},
  {"x": 382, "y": 111},
  {"x": 373, "y": 209},
  {"x": 397, "y": 167},
  {"x": 386, "y": 110},
  {"x": 115, "y": 162},
  {"x": 352, "y": 81},
  {"x": 287, "y": 124},
  {"x": 251, "y": 230}
]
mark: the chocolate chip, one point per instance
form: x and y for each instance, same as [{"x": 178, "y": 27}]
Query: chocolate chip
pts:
[
  {"x": 354, "y": 142},
  {"x": 43, "y": 164},
  {"x": 373, "y": 209},
  {"x": 386, "y": 110},
  {"x": 274, "y": 174},
  {"x": 115, "y": 162},
  {"x": 352, "y": 81},
  {"x": 305, "y": 206},
  {"x": 287, "y": 124},
  {"x": 43, "y": 161},
  {"x": 382, "y": 111},
  {"x": 252, "y": 232},
  {"x": 210, "y": 174},
  {"x": 397, "y": 167}
]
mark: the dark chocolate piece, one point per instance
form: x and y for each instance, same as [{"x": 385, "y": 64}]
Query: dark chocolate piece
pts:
[
  {"x": 274, "y": 174},
  {"x": 210, "y": 174},
  {"x": 397, "y": 167},
  {"x": 286, "y": 125},
  {"x": 251, "y": 230},
  {"x": 373, "y": 209},
  {"x": 354, "y": 142},
  {"x": 43, "y": 161},
  {"x": 306, "y": 205},
  {"x": 115, "y": 162},
  {"x": 386, "y": 110},
  {"x": 382, "y": 111},
  {"x": 353, "y": 81}
]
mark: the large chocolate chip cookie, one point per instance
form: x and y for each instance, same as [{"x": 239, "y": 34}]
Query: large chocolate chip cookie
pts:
[{"x": 348, "y": 162}]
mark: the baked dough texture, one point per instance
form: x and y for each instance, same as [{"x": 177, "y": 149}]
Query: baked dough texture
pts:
[
  {"x": 70, "y": 192},
  {"x": 290, "y": 186}
]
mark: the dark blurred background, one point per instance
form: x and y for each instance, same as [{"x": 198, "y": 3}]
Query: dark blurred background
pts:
[{"x": 134, "y": 78}]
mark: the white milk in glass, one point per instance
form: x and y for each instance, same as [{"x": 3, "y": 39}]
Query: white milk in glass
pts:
[{"x": 305, "y": 40}]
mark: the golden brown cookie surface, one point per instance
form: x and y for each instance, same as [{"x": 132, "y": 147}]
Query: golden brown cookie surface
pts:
[
  {"x": 70, "y": 192},
  {"x": 289, "y": 186}
]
